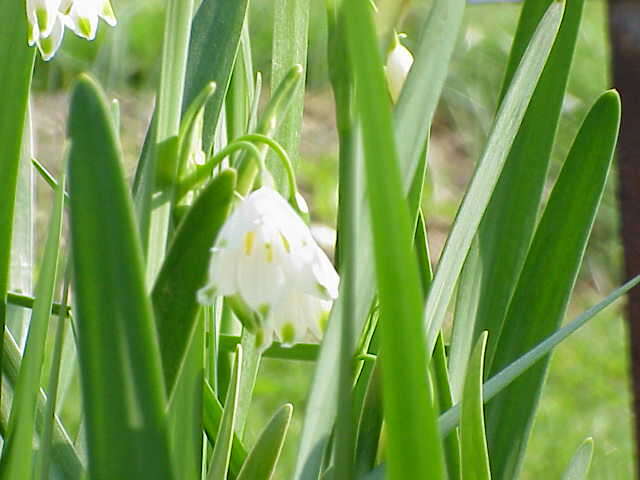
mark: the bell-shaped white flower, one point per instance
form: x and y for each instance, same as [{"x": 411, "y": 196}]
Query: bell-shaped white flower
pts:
[
  {"x": 265, "y": 256},
  {"x": 49, "y": 45},
  {"x": 48, "y": 19},
  {"x": 399, "y": 62},
  {"x": 42, "y": 16}
]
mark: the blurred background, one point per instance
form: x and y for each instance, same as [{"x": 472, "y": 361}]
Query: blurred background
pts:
[{"x": 587, "y": 393}]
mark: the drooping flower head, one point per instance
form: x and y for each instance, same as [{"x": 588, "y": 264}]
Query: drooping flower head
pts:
[
  {"x": 266, "y": 258},
  {"x": 399, "y": 62},
  {"x": 48, "y": 19}
]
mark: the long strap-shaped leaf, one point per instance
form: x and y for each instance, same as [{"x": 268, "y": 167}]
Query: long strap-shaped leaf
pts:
[
  {"x": 15, "y": 81},
  {"x": 488, "y": 171},
  {"x": 547, "y": 279},
  {"x": 496, "y": 384},
  {"x": 261, "y": 461},
  {"x": 121, "y": 372},
  {"x": 475, "y": 457},
  {"x": 496, "y": 258},
  {"x": 413, "y": 449},
  {"x": 184, "y": 271},
  {"x": 580, "y": 463},
  {"x": 17, "y": 450},
  {"x": 413, "y": 121}
]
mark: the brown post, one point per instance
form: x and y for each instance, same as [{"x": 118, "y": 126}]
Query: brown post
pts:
[{"x": 624, "y": 31}]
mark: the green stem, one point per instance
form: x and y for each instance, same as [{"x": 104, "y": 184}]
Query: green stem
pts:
[
  {"x": 26, "y": 301},
  {"x": 203, "y": 172},
  {"x": 177, "y": 33}
]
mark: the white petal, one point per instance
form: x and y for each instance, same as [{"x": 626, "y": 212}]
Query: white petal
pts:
[
  {"x": 42, "y": 15},
  {"x": 83, "y": 18},
  {"x": 106, "y": 13},
  {"x": 222, "y": 271},
  {"x": 260, "y": 279},
  {"x": 48, "y": 46},
  {"x": 399, "y": 63}
]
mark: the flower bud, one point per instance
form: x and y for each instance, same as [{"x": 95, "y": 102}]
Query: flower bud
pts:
[{"x": 399, "y": 62}]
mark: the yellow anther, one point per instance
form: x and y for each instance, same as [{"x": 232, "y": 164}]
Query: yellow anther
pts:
[{"x": 249, "y": 240}]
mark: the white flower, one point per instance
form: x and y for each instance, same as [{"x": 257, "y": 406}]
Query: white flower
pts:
[
  {"x": 399, "y": 62},
  {"x": 48, "y": 19},
  {"x": 266, "y": 257},
  {"x": 82, "y": 16}
]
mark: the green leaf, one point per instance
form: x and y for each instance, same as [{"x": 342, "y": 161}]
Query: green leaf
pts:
[
  {"x": 580, "y": 463},
  {"x": 440, "y": 377},
  {"x": 17, "y": 451},
  {"x": 184, "y": 271},
  {"x": 223, "y": 445},
  {"x": 487, "y": 172},
  {"x": 410, "y": 416},
  {"x": 212, "y": 416},
  {"x": 215, "y": 37},
  {"x": 496, "y": 257},
  {"x": 14, "y": 95},
  {"x": 290, "y": 38},
  {"x": 22, "y": 269},
  {"x": 543, "y": 291},
  {"x": 119, "y": 354},
  {"x": 413, "y": 115},
  {"x": 475, "y": 458},
  {"x": 66, "y": 458},
  {"x": 261, "y": 461},
  {"x": 496, "y": 384}
]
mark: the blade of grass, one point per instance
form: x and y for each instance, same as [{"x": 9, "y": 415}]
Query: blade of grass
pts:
[
  {"x": 545, "y": 285},
  {"x": 17, "y": 451},
  {"x": 498, "y": 382},
  {"x": 117, "y": 340},
  {"x": 15, "y": 83},
  {"x": 413, "y": 117},
  {"x": 177, "y": 31},
  {"x": 261, "y": 461},
  {"x": 215, "y": 39},
  {"x": 504, "y": 236},
  {"x": 46, "y": 442},
  {"x": 580, "y": 463},
  {"x": 290, "y": 38},
  {"x": 475, "y": 457},
  {"x": 224, "y": 439},
  {"x": 487, "y": 172},
  {"x": 184, "y": 271},
  {"x": 445, "y": 402},
  {"x": 212, "y": 416},
  {"x": 22, "y": 244},
  {"x": 408, "y": 409}
]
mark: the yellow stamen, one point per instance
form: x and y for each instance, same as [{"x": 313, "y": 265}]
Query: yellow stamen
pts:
[
  {"x": 269, "y": 252},
  {"x": 285, "y": 243},
  {"x": 249, "y": 240}
]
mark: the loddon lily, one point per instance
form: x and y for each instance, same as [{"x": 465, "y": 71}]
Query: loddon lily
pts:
[
  {"x": 48, "y": 18},
  {"x": 265, "y": 261}
]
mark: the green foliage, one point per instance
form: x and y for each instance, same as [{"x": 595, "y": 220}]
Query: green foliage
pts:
[
  {"x": 117, "y": 342},
  {"x": 162, "y": 394}
]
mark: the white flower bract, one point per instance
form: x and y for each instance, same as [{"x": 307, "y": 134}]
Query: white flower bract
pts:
[
  {"x": 399, "y": 62},
  {"x": 48, "y": 19},
  {"x": 265, "y": 255}
]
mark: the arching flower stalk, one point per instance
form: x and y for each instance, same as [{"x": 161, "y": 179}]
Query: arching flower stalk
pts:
[{"x": 266, "y": 261}]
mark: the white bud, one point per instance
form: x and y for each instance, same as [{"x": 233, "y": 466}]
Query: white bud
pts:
[{"x": 399, "y": 62}]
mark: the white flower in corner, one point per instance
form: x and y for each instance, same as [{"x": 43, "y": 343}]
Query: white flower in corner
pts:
[
  {"x": 82, "y": 16},
  {"x": 48, "y": 19},
  {"x": 399, "y": 62},
  {"x": 266, "y": 257}
]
